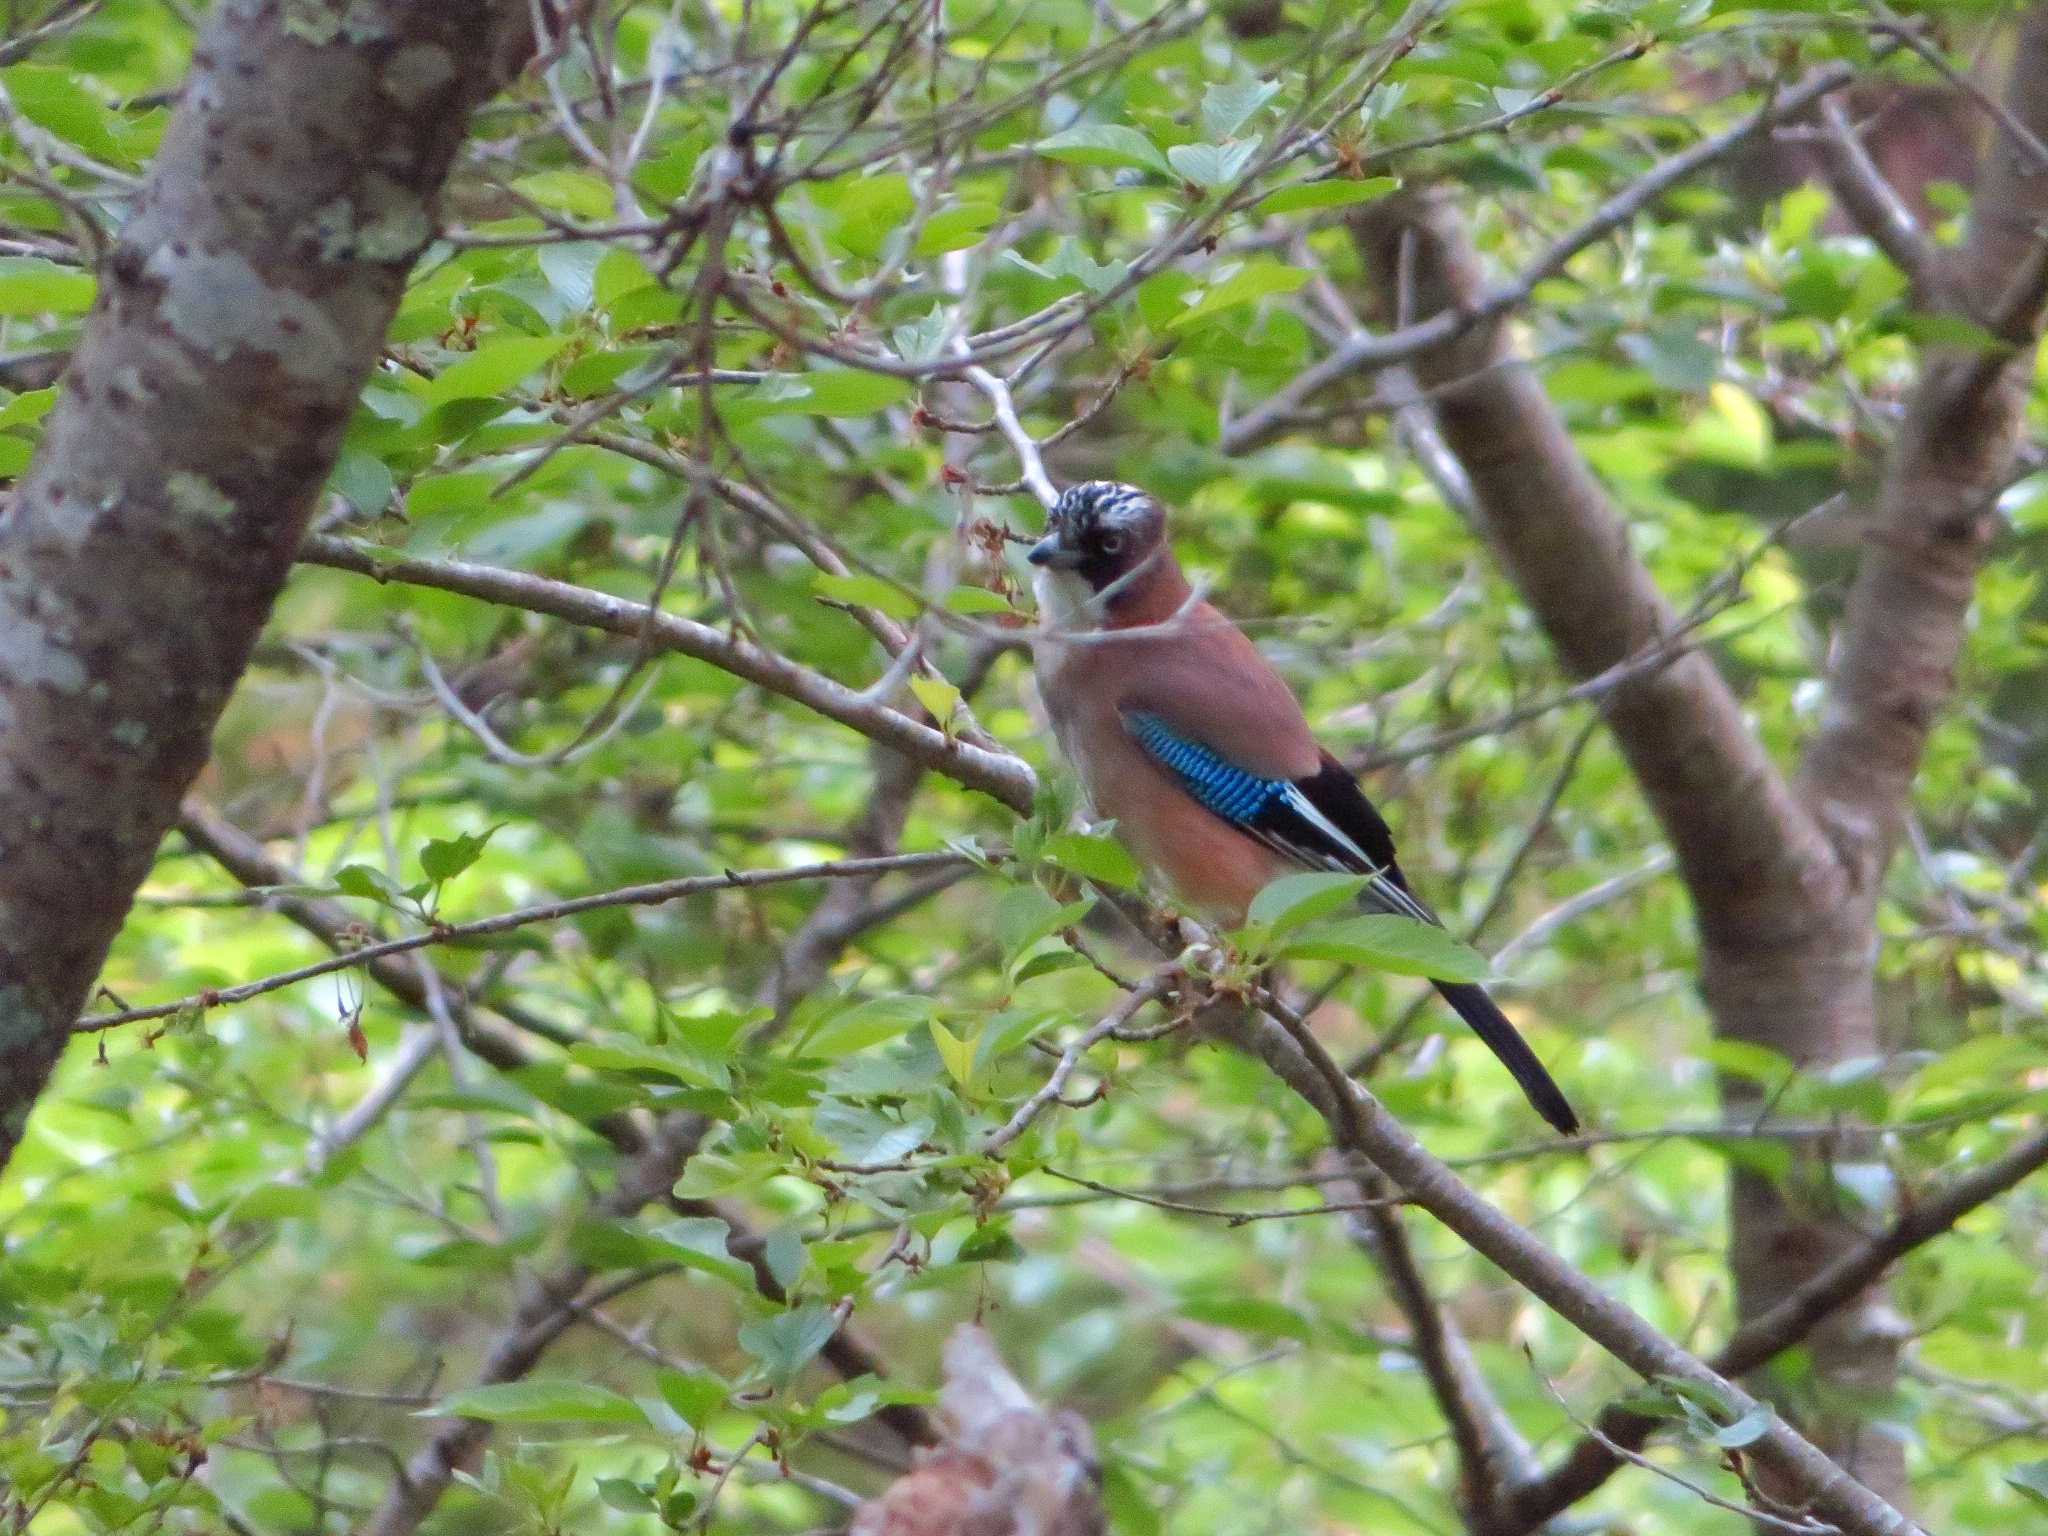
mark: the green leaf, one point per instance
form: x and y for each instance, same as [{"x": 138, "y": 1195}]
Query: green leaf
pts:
[
  {"x": 1245, "y": 287},
  {"x": 31, "y": 286},
  {"x": 27, "y": 408},
  {"x": 1938, "y": 329},
  {"x": 628, "y": 1497},
  {"x": 864, "y": 591},
  {"x": 867, "y": 1024},
  {"x": 1109, "y": 144},
  {"x": 787, "y": 1342},
  {"x": 570, "y": 266},
  {"x": 1747, "y": 1430},
  {"x": 365, "y": 881},
  {"x": 1735, "y": 431},
  {"x": 279, "y": 1202},
  {"x": 976, "y": 601},
  {"x": 1249, "y": 1314},
  {"x": 838, "y": 392},
  {"x": 539, "y": 1402},
  {"x": 937, "y": 695},
  {"x": 1093, "y": 856},
  {"x": 1210, "y": 166},
  {"x": 695, "y": 1395},
  {"x": 1068, "y": 261},
  {"x": 1293, "y": 900},
  {"x": 2031, "y": 1479},
  {"x": 1382, "y": 941},
  {"x": 445, "y": 858},
  {"x": 575, "y": 192},
  {"x": 493, "y": 368},
  {"x": 1745, "y": 1059},
  {"x": 991, "y": 1244},
  {"x": 619, "y": 273},
  {"x": 363, "y": 480},
  {"x": 1228, "y": 107},
  {"x": 1309, "y": 196},
  {"x": 920, "y": 341},
  {"x": 956, "y": 228},
  {"x": 633, "y": 1058},
  {"x": 956, "y": 1053},
  {"x": 1025, "y": 914},
  {"x": 54, "y": 100},
  {"x": 872, "y": 210},
  {"x": 432, "y": 495}
]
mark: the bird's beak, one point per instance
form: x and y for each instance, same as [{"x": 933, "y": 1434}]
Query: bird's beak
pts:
[{"x": 1053, "y": 555}]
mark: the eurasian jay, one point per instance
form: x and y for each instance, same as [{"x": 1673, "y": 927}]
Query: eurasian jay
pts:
[{"x": 1183, "y": 733}]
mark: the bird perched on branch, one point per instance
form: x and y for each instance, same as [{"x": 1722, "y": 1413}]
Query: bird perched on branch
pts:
[{"x": 1180, "y": 730}]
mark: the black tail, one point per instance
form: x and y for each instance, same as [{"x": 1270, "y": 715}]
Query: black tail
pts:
[{"x": 1492, "y": 1026}]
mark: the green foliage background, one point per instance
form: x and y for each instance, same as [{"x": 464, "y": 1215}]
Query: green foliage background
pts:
[{"x": 178, "y": 1260}]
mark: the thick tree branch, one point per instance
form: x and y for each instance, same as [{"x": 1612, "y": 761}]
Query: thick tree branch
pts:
[
  {"x": 1589, "y": 1463},
  {"x": 238, "y": 315},
  {"x": 1742, "y": 838},
  {"x": 1894, "y": 666},
  {"x": 1360, "y": 1124}
]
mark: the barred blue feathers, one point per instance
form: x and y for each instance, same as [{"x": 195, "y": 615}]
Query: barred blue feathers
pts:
[
  {"x": 1224, "y": 788},
  {"x": 1277, "y": 812}
]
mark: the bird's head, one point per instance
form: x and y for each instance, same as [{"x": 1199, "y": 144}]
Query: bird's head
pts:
[{"x": 1104, "y": 534}]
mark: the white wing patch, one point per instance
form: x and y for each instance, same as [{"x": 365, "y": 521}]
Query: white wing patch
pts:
[{"x": 1379, "y": 889}]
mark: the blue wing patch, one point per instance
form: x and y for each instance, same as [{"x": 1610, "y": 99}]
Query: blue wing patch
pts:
[
  {"x": 1231, "y": 792},
  {"x": 1274, "y": 811}
]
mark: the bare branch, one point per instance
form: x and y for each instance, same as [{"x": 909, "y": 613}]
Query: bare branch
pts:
[
  {"x": 1360, "y": 1124},
  {"x": 1872, "y": 202},
  {"x": 1157, "y": 985},
  {"x": 1000, "y": 775},
  {"x": 1028, "y": 460}
]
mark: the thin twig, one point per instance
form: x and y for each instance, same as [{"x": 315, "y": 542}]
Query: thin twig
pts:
[{"x": 652, "y": 894}]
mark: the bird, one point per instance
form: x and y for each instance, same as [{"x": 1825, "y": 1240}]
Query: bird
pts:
[{"x": 1184, "y": 735}]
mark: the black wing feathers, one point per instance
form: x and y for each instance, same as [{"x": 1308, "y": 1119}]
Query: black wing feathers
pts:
[{"x": 1333, "y": 791}]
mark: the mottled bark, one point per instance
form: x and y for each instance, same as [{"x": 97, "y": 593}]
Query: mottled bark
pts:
[{"x": 238, "y": 315}]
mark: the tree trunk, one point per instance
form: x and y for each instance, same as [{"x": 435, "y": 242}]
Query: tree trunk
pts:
[
  {"x": 239, "y": 313},
  {"x": 1809, "y": 996},
  {"x": 1783, "y": 870}
]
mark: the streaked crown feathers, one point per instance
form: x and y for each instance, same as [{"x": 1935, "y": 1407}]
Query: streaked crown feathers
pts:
[{"x": 1103, "y": 504}]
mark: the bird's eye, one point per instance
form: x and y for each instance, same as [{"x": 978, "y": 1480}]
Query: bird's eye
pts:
[{"x": 1112, "y": 542}]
